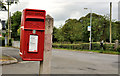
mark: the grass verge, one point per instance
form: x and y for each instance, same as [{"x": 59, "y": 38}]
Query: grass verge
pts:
[
  {"x": 6, "y": 58},
  {"x": 96, "y": 51}
]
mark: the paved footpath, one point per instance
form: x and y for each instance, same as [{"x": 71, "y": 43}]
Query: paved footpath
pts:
[{"x": 65, "y": 62}]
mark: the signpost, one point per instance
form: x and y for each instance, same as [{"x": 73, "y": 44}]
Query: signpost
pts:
[{"x": 89, "y": 28}]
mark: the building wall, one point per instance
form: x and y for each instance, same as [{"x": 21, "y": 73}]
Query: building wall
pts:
[
  {"x": 16, "y": 44},
  {"x": 3, "y": 24},
  {"x": 4, "y": 15},
  {"x": 0, "y": 25},
  {"x": 119, "y": 11}
]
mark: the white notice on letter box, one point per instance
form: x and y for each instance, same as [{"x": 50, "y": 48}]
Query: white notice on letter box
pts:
[{"x": 33, "y": 43}]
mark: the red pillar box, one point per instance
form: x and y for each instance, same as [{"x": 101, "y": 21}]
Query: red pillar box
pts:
[{"x": 32, "y": 35}]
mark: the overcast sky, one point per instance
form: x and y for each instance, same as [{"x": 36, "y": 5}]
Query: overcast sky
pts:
[{"x": 62, "y": 10}]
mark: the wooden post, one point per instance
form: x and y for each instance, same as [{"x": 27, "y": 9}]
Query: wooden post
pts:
[
  {"x": 45, "y": 65},
  {"x": 110, "y": 22}
]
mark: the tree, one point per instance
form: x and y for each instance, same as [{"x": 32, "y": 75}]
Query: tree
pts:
[
  {"x": 116, "y": 30},
  {"x": 99, "y": 27},
  {"x": 76, "y": 30},
  {"x": 2, "y": 6},
  {"x": 55, "y": 30},
  {"x": 15, "y": 23},
  {"x": 58, "y": 34},
  {"x": 18, "y": 32},
  {"x": 71, "y": 30}
]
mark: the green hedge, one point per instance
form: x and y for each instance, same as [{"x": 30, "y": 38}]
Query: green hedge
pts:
[
  {"x": 118, "y": 49},
  {"x": 2, "y": 41},
  {"x": 83, "y": 46}
]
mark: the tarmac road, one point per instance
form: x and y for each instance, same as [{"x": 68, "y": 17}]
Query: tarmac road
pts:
[{"x": 65, "y": 62}]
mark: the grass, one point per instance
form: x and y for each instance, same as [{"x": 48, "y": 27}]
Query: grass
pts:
[
  {"x": 96, "y": 51},
  {"x": 6, "y": 58}
]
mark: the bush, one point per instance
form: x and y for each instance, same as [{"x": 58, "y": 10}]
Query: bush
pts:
[
  {"x": 118, "y": 49},
  {"x": 2, "y": 41},
  {"x": 71, "y": 46},
  {"x": 109, "y": 47},
  {"x": 85, "y": 46},
  {"x": 96, "y": 46},
  {"x": 10, "y": 42}
]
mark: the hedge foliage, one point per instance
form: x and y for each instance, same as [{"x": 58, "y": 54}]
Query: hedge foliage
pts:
[
  {"x": 2, "y": 41},
  {"x": 85, "y": 46}
]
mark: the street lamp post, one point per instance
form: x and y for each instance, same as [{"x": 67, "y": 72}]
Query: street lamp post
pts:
[
  {"x": 9, "y": 2},
  {"x": 90, "y": 47}
]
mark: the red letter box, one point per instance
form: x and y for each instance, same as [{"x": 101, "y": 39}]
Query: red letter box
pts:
[{"x": 32, "y": 35}]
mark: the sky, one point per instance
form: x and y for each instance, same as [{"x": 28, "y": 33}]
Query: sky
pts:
[{"x": 61, "y": 10}]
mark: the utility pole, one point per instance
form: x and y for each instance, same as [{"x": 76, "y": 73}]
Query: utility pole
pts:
[
  {"x": 110, "y": 22},
  {"x": 8, "y": 22},
  {"x": 90, "y": 46},
  {"x": 10, "y": 25},
  {"x": 9, "y": 2},
  {"x": 91, "y": 29}
]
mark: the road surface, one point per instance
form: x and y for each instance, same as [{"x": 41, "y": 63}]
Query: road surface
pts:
[{"x": 65, "y": 62}]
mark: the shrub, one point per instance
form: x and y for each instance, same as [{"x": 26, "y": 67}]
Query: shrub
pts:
[
  {"x": 118, "y": 49},
  {"x": 109, "y": 47},
  {"x": 2, "y": 41},
  {"x": 85, "y": 46}
]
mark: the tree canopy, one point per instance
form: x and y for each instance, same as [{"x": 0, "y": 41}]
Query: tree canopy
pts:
[
  {"x": 76, "y": 30},
  {"x": 15, "y": 23}
]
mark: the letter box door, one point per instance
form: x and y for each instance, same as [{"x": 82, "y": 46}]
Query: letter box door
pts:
[{"x": 32, "y": 35}]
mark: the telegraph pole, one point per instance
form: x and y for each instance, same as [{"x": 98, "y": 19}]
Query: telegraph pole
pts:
[
  {"x": 110, "y": 22},
  {"x": 8, "y": 23},
  {"x": 9, "y": 2}
]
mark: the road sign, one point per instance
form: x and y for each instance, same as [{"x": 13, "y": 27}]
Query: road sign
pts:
[{"x": 89, "y": 28}]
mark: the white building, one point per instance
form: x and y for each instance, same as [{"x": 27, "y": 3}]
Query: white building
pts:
[
  {"x": 119, "y": 11},
  {"x": 3, "y": 19},
  {"x": 0, "y": 28},
  {"x": 0, "y": 25}
]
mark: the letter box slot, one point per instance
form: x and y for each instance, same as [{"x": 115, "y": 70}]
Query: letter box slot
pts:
[
  {"x": 34, "y": 29},
  {"x": 34, "y": 19}
]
